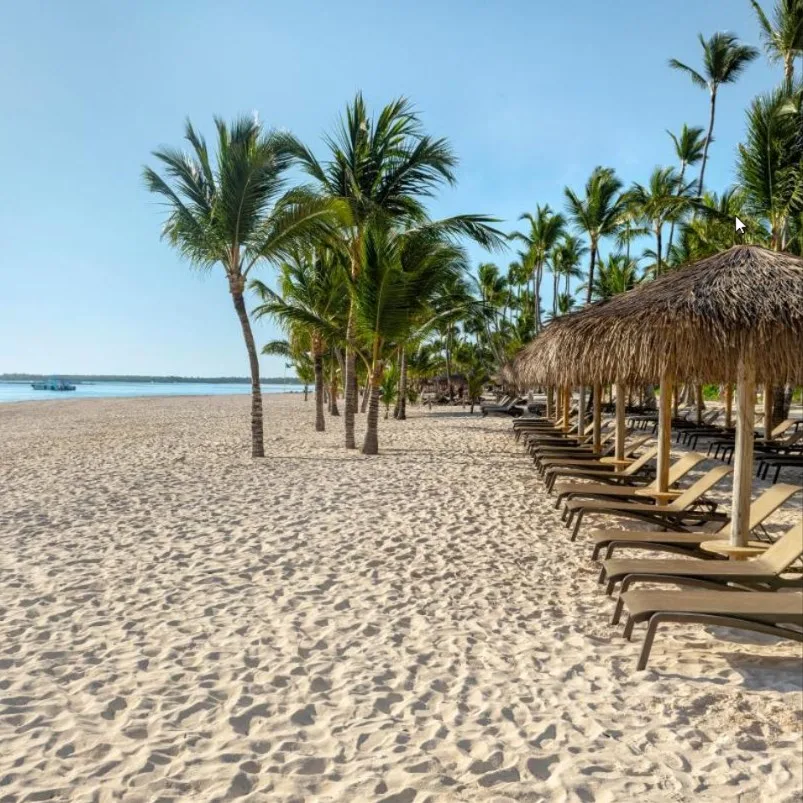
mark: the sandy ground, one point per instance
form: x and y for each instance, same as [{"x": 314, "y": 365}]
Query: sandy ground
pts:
[{"x": 181, "y": 623}]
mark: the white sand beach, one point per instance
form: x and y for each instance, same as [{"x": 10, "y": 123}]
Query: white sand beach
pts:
[{"x": 179, "y": 622}]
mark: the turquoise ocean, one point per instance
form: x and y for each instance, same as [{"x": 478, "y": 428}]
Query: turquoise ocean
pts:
[{"x": 22, "y": 391}]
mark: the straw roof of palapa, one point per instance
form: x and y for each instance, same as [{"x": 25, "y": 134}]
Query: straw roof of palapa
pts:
[{"x": 693, "y": 321}]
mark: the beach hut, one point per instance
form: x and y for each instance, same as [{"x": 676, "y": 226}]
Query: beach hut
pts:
[{"x": 736, "y": 316}]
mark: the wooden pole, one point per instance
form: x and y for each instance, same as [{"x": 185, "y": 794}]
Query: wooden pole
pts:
[
  {"x": 728, "y": 406},
  {"x": 620, "y": 421},
  {"x": 698, "y": 389},
  {"x": 567, "y": 398},
  {"x": 581, "y": 411},
  {"x": 550, "y": 402},
  {"x": 675, "y": 401},
  {"x": 597, "y": 418},
  {"x": 664, "y": 430},
  {"x": 768, "y": 411},
  {"x": 743, "y": 453}
]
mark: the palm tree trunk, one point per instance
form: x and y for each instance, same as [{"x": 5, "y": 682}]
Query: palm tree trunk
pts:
[
  {"x": 539, "y": 278},
  {"x": 707, "y": 142},
  {"x": 257, "y": 441},
  {"x": 349, "y": 382},
  {"x": 402, "y": 416},
  {"x": 317, "y": 364},
  {"x": 556, "y": 278},
  {"x": 659, "y": 247},
  {"x": 306, "y": 391},
  {"x": 591, "y": 271},
  {"x": 449, "y": 362},
  {"x": 371, "y": 443},
  {"x": 366, "y": 395},
  {"x": 672, "y": 225},
  {"x": 333, "y": 393}
]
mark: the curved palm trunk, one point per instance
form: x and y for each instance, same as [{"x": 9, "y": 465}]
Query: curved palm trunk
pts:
[
  {"x": 257, "y": 441},
  {"x": 537, "y": 300},
  {"x": 366, "y": 394},
  {"x": 707, "y": 142},
  {"x": 402, "y": 416},
  {"x": 591, "y": 271},
  {"x": 317, "y": 364},
  {"x": 555, "y": 278}
]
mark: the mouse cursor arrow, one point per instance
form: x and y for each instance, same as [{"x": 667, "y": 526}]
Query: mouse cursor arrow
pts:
[{"x": 740, "y": 227}]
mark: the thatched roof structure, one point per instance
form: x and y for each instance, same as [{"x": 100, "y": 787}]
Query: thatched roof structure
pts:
[{"x": 693, "y": 322}]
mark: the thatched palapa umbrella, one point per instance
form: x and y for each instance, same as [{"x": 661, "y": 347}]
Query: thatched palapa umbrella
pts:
[{"x": 736, "y": 316}]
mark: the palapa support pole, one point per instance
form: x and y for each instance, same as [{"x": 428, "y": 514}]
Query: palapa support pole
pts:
[
  {"x": 768, "y": 411},
  {"x": 698, "y": 389},
  {"x": 620, "y": 421},
  {"x": 597, "y": 418},
  {"x": 664, "y": 430},
  {"x": 581, "y": 411},
  {"x": 743, "y": 453},
  {"x": 675, "y": 401},
  {"x": 728, "y": 406},
  {"x": 550, "y": 402},
  {"x": 567, "y": 398}
]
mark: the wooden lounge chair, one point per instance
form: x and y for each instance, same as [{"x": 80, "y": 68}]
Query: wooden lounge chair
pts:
[
  {"x": 673, "y": 516},
  {"x": 687, "y": 543},
  {"x": 636, "y": 473},
  {"x": 756, "y": 611},
  {"x": 585, "y": 458},
  {"x": 589, "y": 490},
  {"x": 761, "y": 574},
  {"x": 578, "y": 444}
]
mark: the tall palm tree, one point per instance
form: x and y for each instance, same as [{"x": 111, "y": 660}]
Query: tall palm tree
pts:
[
  {"x": 783, "y": 35},
  {"x": 401, "y": 273},
  {"x": 566, "y": 258},
  {"x": 383, "y": 168},
  {"x": 236, "y": 214},
  {"x": 598, "y": 214},
  {"x": 770, "y": 162},
  {"x": 689, "y": 146},
  {"x": 546, "y": 228},
  {"x": 724, "y": 59},
  {"x": 312, "y": 288},
  {"x": 663, "y": 199}
]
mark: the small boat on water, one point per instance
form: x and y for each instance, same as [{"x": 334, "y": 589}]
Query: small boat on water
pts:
[{"x": 52, "y": 384}]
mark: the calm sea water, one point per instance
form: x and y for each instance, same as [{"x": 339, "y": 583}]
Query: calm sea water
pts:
[{"x": 22, "y": 391}]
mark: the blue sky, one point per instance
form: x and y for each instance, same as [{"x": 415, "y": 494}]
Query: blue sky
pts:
[{"x": 532, "y": 95}]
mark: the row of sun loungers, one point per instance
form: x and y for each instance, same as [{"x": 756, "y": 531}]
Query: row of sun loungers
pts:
[{"x": 761, "y": 594}]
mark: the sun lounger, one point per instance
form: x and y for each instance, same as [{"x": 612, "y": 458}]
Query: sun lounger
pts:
[
  {"x": 588, "y": 459},
  {"x": 675, "y": 515},
  {"x": 763, "y": 573},
  {"x": 588, "y": 490},
  {"x": 687, "y": 543},
  {"x": 636, "y": 473},
  {"x": 760, "y": 612},
  {"x": 778, "y": 462}
]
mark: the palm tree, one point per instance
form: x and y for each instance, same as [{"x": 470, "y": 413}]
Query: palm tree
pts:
[
  {"x": 724, "y": 60},
  {"x": 299, "y": 358},
  {"x": 235, "y": 214},
  {"x": 783, "y": 36},
  {"x": 664, "y": 199},
  {"x": 770, "y": 162},
  {"x": 617, "y": 274},
  {"x": 382, "y": 169},
  {"x": 689, "y": 146},
  {"x": 546, "y": 228},
  {"x": 311, "y": 290},
  {"x": 598, "y": 214},
  {"x": 401, "y": 273},
  {"x": 566, "y": 258}
]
